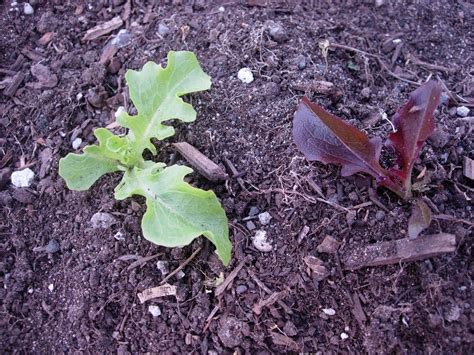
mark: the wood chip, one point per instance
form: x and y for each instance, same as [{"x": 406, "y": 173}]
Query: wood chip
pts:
[
  {"x": 281, "y": 339},
  {"x": 468, "y": 169},
  {"x": 403, "y": 250},
  {"x": 328, "y": 245},
  {"x": 317, "y": 267},
  {"x": 228, "y": 280},
  {"x": 108, "y": 53},
  {"x": 274, "y": 297},
  {"x": 103, "y": 29},
  {"x": 203, "y": 164},
  {"x": 156, "y": 292},
  {"x": 15, "y": 83},
  {"x": 46, "y": 38},
  {"x": 357, "y": 310}
]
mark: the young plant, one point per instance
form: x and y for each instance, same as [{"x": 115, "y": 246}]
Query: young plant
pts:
[
  {"x": 177, "y": 213},
  {"x": 324, "y": 137}
]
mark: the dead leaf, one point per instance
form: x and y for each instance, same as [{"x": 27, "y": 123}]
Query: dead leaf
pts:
[{"x": 419, "y": 220}]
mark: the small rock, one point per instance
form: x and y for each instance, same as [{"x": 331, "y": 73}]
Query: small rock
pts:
[
  {"x": 52, "y": 246},
  {"x": 344, "y": 336},
  {"x": 365, "y": 93},
  {"x": 122, "y": 38},
  {"x": 380, "y": 215},
  {"x": 253, "y": 211},
  {"x": 76, "y": 143},
  {"x": 28, "y": 9},
  {"x": 241, "y": 289},
  {"x": 250, "y": 225},
  {"x": 22, "y": 178},
  {"x": 180, "y": 274},
  {"x": 154, "y": 310},
  {"x": 272, "y": 90},
  {"x": 163, "y": 267},
  {"x": 51, "y": 287},
  {"x": 119, "y": 236},
  {"x": 260, "y": 241},
  {"x": 462, "y": 111},
  {"x": 163, "y": 29},
  {"x": 328, "y": 245},
  {"x": 329, "y": 311},
  {"x": 102, "y": 220},
  {"x": 301, "y": 62},
  {"x": 232, "y": 331},
  {"x": 444, "y": 99},
  {"x": 276, "y": 31},
  {"x": 264, "y": 218},
  {"x": 245, "y": 75}
]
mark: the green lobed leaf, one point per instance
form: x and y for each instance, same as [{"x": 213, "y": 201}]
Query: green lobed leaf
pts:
[
  {"x": 156, "y": 91},
  {"x": 177, "y": 213},
  {"x": 80, "y": 171}
]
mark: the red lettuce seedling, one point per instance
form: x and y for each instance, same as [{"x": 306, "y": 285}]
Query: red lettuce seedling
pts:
[{"x": 324, "y": 137}]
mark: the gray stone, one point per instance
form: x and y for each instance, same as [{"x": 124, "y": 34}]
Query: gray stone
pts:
[{"x": 380, "y": 215}]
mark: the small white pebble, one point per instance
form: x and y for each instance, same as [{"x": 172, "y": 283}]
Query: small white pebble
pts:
[
  {"x": 22, "y": 178},
  {"x": 28, "y": 9},
  {"x": 329, "y": 311},
  {"x": 119, "y": 111},
  {"x": 162, "y": 266},
  {"x": 76, "y": 143},
  {"x": 396, "y": 40},
  {"x": 245, "y": 75},
  {"x": 31, "y": 290},
  {"x": 154, "y": 310},
  {"x": 264, "y": 218},
  {"x": 344, "y": 336},
  {"x": 260, "y": 241},
  {"x": 51, "y": 287},
  {"x": 79, "y": 96},
  {"x": 180, "y": 274},
  {"x": 221, "y": 9},
  {"x": 462, "y": 111},
  {"x": 119, "y": 236}
]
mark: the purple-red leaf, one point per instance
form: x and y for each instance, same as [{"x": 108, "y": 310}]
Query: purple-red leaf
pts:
[
  {"x": 324, "y": 137},
  {"x": 414, "y": 124}
]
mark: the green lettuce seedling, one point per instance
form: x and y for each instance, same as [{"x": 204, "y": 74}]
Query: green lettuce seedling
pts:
[{"x": 177, "y": 213}]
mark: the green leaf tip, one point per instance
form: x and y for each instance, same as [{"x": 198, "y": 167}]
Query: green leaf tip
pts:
[
  {"x": 156, "y": 91},
  {"x": 177, "y": 213}
]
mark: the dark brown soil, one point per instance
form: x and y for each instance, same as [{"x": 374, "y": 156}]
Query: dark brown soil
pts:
[{"x": 92, "y": 305}]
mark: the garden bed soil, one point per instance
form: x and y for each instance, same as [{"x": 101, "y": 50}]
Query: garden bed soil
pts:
[{"x": 82, "y": 295}]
